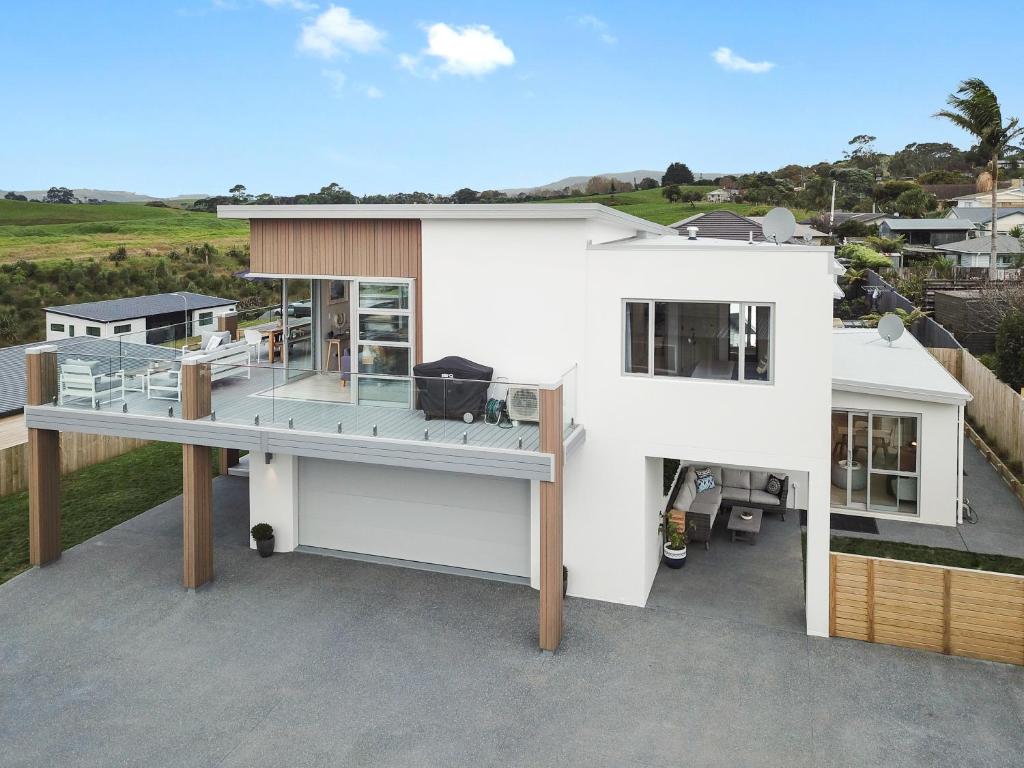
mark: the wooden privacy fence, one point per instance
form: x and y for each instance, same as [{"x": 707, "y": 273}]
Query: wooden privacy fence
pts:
[
  {"x": 934, "y": 608},
  {"x": 77, "y": 451},
  {"x": 997, "y": 408}
]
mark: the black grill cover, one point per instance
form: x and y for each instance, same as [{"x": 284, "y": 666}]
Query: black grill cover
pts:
[{"x": 442, "y": 396}]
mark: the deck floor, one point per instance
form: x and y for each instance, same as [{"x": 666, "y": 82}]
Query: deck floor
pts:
[{"x": 238, "y": 400}]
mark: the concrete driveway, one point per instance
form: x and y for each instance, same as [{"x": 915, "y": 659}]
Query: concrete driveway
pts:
[{"x": 302, "y": 660}]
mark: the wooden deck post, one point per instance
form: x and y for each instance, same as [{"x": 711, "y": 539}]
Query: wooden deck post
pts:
[
  {"x": 228, "y": 322},
  {"x": 43, "y": 460},
  {"x": 228, "y": 458},
  {"x": 551, "y": 441},
  {"x": 197, "y": 480}
]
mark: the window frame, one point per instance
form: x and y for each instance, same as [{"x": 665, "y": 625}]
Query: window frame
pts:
[
  {"x": 57, "y": 327},
  {"x": 122, "y": 329},
  {"x": 93, "y": 330},
  {"x": 357, "y": 341},
  {"x": 204, "y": 318},
  {"x": 651, "y": 374}
]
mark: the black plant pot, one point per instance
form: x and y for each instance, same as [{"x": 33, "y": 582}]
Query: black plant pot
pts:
[
  {"x": 565, "y": 580},
  {"x": 265, "y": 547}
]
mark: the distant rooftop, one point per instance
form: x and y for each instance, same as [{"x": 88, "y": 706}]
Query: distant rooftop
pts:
[
  {"x": 924, "y": 225},
  {"x": 980, "y": 215},
  {"x": 1004, "y": 244},
  {"x": 113, "y": 310},
  {"x": 727, "y": 225},
  {"x": 863, "y": 362}
]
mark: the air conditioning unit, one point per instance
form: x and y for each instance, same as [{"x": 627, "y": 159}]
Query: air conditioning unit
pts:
[{"x": 523, "y": 403}]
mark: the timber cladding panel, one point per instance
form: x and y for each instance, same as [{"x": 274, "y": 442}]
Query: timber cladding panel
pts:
[
  {"x": 947, "y": 610},
  {"x": 339, "y": 247}
]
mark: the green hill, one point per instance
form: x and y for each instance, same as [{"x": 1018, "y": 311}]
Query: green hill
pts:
[
  {"x": 45, "y": 231},
  {"x": 651, "y": 205}
]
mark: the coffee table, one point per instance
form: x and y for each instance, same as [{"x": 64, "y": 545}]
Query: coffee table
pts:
[{"x": 747, "y": 529}]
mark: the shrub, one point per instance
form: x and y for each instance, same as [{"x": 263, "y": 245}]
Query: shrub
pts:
[
  {"x": 262, "y": 531},
  {"x": 119, "y": 254},
  {"x": 862, "y": 257},
  {"x": 1010, "y": 349}
]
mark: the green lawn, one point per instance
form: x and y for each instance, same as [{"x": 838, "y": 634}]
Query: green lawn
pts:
[
  {"x": 935, "y": 555},
  {"x": 651, "y": 205},
  {"x": 43, "y": 230},
  {"x": 94, "y": 500}
]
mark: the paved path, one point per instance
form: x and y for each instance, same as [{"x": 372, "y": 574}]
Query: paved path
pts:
[{"x": 301, "y": 660}]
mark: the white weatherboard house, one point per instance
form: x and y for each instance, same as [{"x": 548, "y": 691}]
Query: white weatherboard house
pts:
[
  {"x": 141, "y": 316},
  {"x": 610, "y": 344}
]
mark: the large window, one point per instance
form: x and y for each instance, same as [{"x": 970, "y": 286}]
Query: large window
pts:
[
  {"x": 205, "y": 318},
  {"x": 875, "y": 461},
  {"x": 92, "y": 330},
  {"x": 119, "y": 329},
  {"x": 698, "y": 340},
  {"x": 58, "y": 327}
]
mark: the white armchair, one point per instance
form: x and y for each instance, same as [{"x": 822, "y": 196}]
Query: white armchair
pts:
[{"x": 86, "y": 379}]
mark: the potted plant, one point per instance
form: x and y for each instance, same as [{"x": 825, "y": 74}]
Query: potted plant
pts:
[
  {"x": 263, "y": 533},
  {"x": 675, "y": 542}
]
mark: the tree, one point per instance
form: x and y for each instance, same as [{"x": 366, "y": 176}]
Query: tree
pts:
[
  {"x": 15, "y": 196},
  {"x": 677, "y": 173},
  {"x": 863, "y": 154},
  {"x": 333, "y": 193},
  {"x": 647, "y": 183},
  {"x": 690, "y": 197},
  {"x": 885, "y": 194},
  {"x": 599, "y": 185},
  {"x": 466, "y": 195},
  {"x": 914, "y": 203},
  {"x": 239, "y": 194},
  {"x": 817, "y": 193},
  {"x": 672, "y": 194},
  {"x": 975, "y": 109},
  {"x": 60, "y": 195},
  {"x": 1010, "y": 349},
  {"x": 916, "y": 159},
  {"x": 944, "y": 177}
]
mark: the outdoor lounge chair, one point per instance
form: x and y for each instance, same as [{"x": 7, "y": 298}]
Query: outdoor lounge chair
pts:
[{"x": 87, "y": 379}]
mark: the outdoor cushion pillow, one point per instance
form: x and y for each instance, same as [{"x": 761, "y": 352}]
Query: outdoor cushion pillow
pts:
[
  {"x": 705, "y": 483},
  {"x": 92, "y": 365},
  {"x": 702, "y": 473},
  {"x": 775, "y": 484}
]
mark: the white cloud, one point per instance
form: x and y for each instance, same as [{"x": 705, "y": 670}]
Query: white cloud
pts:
[
  {"x": 373, "y": 92},
  {"x": 600, "y": 27},
  {"x": 337, "y": 29},
  {"x": 469, "y": 50},
  {"x": 734, "y": 63},
  {"x": 296, "y": 5}
]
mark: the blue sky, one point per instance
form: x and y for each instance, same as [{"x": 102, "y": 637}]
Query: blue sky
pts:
[{"x": 181, "y": 96}]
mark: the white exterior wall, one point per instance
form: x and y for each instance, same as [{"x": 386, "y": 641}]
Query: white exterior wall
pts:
[
  {"x": 217, "y": 311},
  {"x": 274, "y": 498},
  {"x": 106, "y": 329},
  {"x": 612, "y": 544},
  {"x": 939, "y": 450}
]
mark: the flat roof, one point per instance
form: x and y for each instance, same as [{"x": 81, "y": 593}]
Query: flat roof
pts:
[
  {"x": 863, "y": 362},
  {"x": 445, "y": 211},
  {"x": 129, "y": 308},
  {"x": 682, "y": 242}
]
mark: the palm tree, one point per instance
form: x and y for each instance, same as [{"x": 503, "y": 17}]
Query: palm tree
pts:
[{"x": 975, "y": 108}]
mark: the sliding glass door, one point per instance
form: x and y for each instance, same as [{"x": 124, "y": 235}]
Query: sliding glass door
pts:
[
  {"x": 875, "y": 462},
  {"x": 384, "y": 353}
]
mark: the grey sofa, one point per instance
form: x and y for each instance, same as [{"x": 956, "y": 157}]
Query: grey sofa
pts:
[{"x": 743, "y": 487}]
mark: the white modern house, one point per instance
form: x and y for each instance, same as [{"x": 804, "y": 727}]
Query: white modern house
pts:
[
  {"x": 1009, "y": 197},
  {"x": 613, "y": 344},
  {"x": 136, "y": 315}
]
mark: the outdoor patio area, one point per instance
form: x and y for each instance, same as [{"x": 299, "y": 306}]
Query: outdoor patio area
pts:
[{"x": 302, "y": 660}]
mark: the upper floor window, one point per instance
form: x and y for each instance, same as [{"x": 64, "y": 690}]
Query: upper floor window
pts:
[
  {"x": 206, "y": 318},
  {"x": 119, "y": 329},
  {"x": 698, "y": 340},
  {"x": 58, "y": 327},
  {"x": 92, "y": 330}
]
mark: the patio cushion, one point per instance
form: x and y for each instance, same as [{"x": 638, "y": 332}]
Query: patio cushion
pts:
[
  {"x": 705, "y": 483},
  {"x": 775, "y": 485},
  {"x": 763, "y": 497},
  {"x": 736, "y": 478},
  {"x": 94, "y": 366},
  {"x": 711, "y": 496},
  {"x": 703, "y": 508},
  {"x": 758, "y": 480},
  {"x": 207, "y": 336},
  {"x": 685, "y": 497},
  {"x": 729, "y": 493},
  {"x": 105, "y": 383},
  {"x": 716, "y": 472}
]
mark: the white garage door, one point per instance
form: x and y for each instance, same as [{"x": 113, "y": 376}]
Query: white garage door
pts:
[{"x": 467, "y": 521}]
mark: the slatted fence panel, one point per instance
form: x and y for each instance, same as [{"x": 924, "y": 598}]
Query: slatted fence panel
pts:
[{"x": 947, "y": 610}]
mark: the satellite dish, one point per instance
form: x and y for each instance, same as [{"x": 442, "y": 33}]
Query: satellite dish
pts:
[
  {"x": 778, "y": 225},
  {"x": 890, "y": 327}
]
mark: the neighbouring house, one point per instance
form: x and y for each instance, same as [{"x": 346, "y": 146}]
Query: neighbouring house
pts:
[
  {"x": 727, "y": 225},
  {"x": 1006, "y": 218},
  {"x": 921, "y": 237},
  {"x": 721, "y": 195},
  {"x": 841, "y": 217},
  {"x": 493, "y": 390},
  {"x": 1010, "y": 197},
  {"x": 149, "y": 319},
  {"x": 977, "y": 251}
]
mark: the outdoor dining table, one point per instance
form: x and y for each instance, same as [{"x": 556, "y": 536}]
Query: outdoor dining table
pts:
[{"x": 273, "y": 331}]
